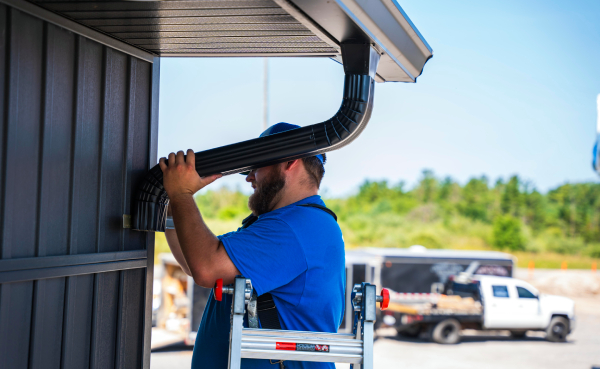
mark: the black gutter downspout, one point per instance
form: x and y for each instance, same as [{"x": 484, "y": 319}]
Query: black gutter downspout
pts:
[{"x": 360, "y": 63}]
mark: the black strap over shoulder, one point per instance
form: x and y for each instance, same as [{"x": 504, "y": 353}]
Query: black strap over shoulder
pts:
[
  {"x": 250, "y": 219},
  {"x": 247, "y": 222},
  {"x": 266, "y": 309},
  {"x": 325, "y": 209}
]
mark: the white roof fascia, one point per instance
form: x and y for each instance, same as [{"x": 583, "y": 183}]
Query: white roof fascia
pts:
[{"x": 394, "y": 34}]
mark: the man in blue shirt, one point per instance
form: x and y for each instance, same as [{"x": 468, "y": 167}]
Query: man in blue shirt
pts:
[{"x": 292, "y": 251}]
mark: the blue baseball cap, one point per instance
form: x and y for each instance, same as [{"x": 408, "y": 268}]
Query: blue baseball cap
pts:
[{"x": 278, "y": 128}]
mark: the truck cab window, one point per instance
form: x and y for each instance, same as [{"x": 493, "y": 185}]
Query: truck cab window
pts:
[
  {"x": 524, "y": 293},
  {"x": 500, "y": 291}
]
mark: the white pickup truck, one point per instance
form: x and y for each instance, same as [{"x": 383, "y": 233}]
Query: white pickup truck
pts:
[{"x": 482, "y": 302}]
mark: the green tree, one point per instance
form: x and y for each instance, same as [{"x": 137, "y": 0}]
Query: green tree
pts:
[
  {"x": 535, "y": 210},
  {"x": 508, "y": 234},
  {"x": 446, "y": 190},
  {"x": 223, "y": 203},
  {"x": 476, "y": 199},
  {"x": 427, "y": 187},
  {"x": 512, "y": 199}
]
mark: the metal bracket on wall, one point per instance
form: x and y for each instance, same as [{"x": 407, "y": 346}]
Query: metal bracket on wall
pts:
[{"x": 126, "y": 221}]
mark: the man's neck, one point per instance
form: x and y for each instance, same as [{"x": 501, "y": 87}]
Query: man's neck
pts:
[{"x": 292, "y": 195}]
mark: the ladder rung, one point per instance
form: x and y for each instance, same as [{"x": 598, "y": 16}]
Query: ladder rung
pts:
[
  {"x": 299, "y": 334},
  {"x": 313, "y": 341},
  {"x": 270, "y": 346},
  {"x": 301, "y": 356}
]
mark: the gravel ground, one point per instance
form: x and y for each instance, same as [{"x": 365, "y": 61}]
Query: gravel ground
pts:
[
  {"x": 570, "y": 283},
  {"x": 173, "y": 357},
  {"x": 483, "y": 349}
]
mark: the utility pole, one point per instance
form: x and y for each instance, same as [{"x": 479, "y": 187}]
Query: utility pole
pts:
[
  {"x": 596, "y": 155},
  {"x": 598, "y": 115},
  {"x": 265, "y": 93}
]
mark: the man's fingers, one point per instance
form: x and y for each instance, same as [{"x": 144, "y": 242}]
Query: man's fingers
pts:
[
  {"x": 180, "y": 160},
  {"x": 210, "y": 179},
  {"x": 172, "y": 159},
  {"x": 191, "y": 158},
  {"x": 162, "y": 164}
]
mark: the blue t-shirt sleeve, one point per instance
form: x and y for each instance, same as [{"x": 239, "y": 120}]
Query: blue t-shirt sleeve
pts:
[{"x": 268, "y": 252}]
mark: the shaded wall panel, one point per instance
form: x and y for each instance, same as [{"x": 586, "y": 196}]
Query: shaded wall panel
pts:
[
  {"x": 104, "y": 324},
  {"x": 47, "y": 319},
  {"x": 55, "y": 158},
  {"x": 130, "y": 335},
  {"x": 78, "y": 132},
  {"x": 25, "y": 86},
  {"x": 87, "y": 128},
  {"x": 77, "y": 326},
  {"x": 3, "y": 89},
  {"x": 15, "y": 324},
  {"x": 113, "y": 143},
  {"x": 139, "y": 132}
]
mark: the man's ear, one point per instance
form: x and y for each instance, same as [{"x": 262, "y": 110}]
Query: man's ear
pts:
[{"x": 290, "y": 165}]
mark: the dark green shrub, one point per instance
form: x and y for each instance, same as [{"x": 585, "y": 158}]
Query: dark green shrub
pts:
[
  {"x": 593, "y": 250},
  {"x": 508, "y": 234}
]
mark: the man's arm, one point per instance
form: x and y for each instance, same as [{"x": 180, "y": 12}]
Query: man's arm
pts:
[
  {"x": 202, "y": 251},
  {"x": 173, "y": 243}
]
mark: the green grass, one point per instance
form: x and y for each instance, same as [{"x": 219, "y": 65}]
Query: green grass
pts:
[{"x": 550, "y": 260}]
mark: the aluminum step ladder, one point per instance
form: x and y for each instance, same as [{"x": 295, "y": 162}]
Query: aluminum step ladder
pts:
[{"x": 276, "y": 345}]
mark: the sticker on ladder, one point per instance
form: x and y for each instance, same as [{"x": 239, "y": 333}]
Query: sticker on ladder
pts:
[{"x": 291, "y": 346}]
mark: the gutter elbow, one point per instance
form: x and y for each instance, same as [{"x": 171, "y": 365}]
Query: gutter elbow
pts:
[{"x": 360, "y": 63}]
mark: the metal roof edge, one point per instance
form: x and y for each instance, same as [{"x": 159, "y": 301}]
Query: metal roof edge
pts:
[
  {"x": 412, "y": 25},
  {"x": 389, "y": 28}
]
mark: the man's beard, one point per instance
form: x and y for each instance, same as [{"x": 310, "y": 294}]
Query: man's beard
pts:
[{"x": 267, "y": 194}]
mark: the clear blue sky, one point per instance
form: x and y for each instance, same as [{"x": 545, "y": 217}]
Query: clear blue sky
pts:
[{"x": 511, "y": 89}]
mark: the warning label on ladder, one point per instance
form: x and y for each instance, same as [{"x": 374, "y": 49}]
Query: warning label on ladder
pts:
[{"x": 292, "y": 346}]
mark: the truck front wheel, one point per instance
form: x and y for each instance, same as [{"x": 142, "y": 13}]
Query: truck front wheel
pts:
[
  {"x": 558, "y": 329},
  {"x": 446, "y": 332}
]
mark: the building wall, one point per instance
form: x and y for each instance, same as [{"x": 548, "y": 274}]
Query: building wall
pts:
[{"x": 78, "y": 132}]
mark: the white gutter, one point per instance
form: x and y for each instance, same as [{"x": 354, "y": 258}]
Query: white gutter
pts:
[{"x": 394, "y": 34}]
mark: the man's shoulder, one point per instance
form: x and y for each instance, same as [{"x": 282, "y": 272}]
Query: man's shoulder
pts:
[
  {"x": 308, "y": 222},
  {"x": 303, "y": 209},
  {"x": 299, "y": 220}
]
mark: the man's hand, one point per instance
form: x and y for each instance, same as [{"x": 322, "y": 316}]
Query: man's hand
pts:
[
  {"x": 180, "y": 176},
  {"x": 195, "y": 247}
]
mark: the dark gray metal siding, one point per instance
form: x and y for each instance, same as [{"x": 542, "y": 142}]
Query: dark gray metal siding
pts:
[{"x": 78, "y": 131}]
